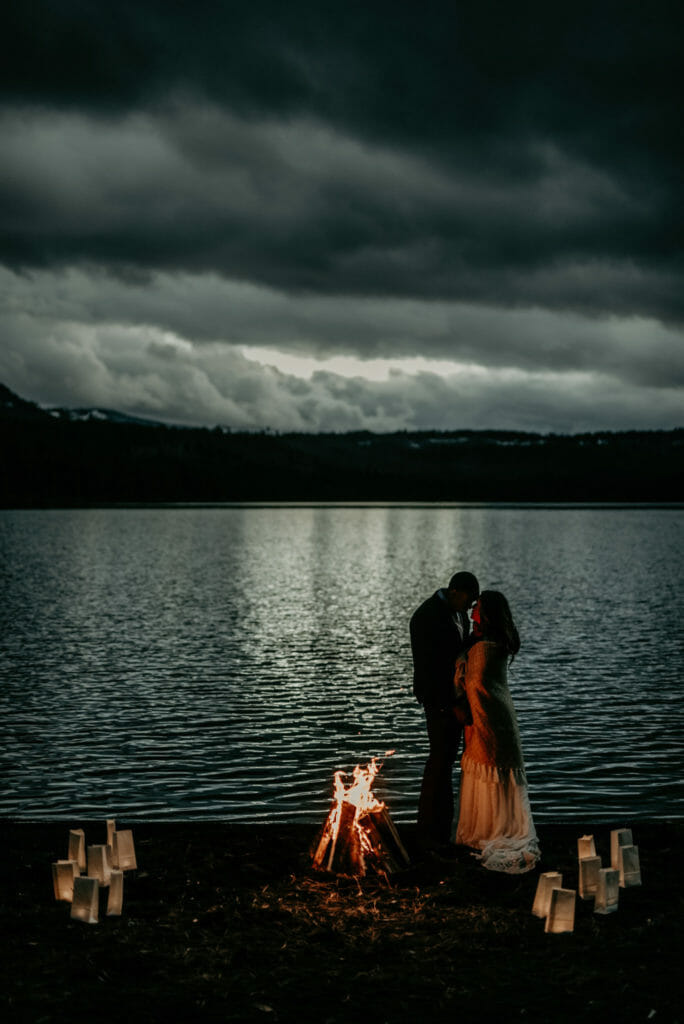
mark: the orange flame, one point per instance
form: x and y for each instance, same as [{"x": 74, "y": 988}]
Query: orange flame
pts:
[{"x": 360, "y": 795}]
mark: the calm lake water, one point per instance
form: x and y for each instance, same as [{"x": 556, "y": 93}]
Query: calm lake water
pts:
[{"x": 222, "y": 662}]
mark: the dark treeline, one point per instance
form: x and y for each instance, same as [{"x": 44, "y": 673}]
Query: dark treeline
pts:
[{"x": 63, "y": 458}]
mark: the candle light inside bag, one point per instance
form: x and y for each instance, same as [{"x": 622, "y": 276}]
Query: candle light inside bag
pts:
[
  {"x": 607, "y": 891},
  {"x": 99, "y": 865},
  {"x": 115, "y": 896},
  {"x": 548, "y": 881},
  {"x": 63, "y": 874},
  {"x": 586, "y": 847},
  {"x": 589, "y": 868},
  {"x": 84, "y": 906},
  {"x": 618, "y": 837},
  {"x": 561, "y": 916},
  {"x": 629, "y": 868},
  {"x": 123, "y": 851},
  {"x": 77, "y": 850}
]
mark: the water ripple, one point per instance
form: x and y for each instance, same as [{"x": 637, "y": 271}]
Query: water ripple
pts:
[{"x": 223, "y": 663}]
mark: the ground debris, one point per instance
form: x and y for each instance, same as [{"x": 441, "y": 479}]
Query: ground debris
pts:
[{"x": 220, "y": 941}]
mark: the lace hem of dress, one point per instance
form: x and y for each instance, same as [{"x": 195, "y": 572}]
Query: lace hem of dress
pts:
[
  {"x": 512, "y": 856},
  {"x": 495, "y": 818}
]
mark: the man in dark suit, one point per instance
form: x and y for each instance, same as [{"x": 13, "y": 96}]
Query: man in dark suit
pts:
[{"x": 440, "y": 631}]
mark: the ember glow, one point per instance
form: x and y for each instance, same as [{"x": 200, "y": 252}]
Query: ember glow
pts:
[{"x": 358, "y": 832}]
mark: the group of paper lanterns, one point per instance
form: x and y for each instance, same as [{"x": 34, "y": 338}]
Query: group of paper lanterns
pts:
[
  {"x": 104, "y": 867},
  {"x": 603, "y": 885}
]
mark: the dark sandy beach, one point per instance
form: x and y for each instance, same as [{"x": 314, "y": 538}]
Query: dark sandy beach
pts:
[{"x": 229, "y": 923}]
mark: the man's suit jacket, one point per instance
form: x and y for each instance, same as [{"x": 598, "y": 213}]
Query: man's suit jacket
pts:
[{"x": 436, "y": 642}]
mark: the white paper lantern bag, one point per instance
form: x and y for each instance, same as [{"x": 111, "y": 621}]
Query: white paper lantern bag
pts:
[
  {"x": 618, "y": 837},
  {"x": 547, "y": 881},
  {"x": 589, "y": 868},
  {"x": 99, "y": 865},
  {"x": 123, "y": 851},
  {"x": 77, "y": 850},
  {"x": 628, "y": 866},
  {"x": 63, "y": 874},
  {"x": 607, "y": 891},
  {"x": 84, "y": 906},
  {"x": 115, "y": 895},
  {"x": 561, "y": 915},
  {"x": 586, "y": 847}
]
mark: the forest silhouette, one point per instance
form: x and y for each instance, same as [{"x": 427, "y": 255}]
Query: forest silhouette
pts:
[{"x": 67, "y": 457}]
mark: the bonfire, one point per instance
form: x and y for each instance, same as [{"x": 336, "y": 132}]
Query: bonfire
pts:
[{"x": 359, "y": 834}]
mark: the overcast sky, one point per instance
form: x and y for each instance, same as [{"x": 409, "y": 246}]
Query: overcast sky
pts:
[{"x": 333, "y": 216}]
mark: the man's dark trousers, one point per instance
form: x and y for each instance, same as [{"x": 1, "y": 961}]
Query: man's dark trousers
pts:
[
  {"x": 436, "y": 803},
  {"x": 436, "y": 642}
]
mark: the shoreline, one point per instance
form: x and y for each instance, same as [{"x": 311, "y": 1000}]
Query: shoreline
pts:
[{"x": 227, "y": 922}]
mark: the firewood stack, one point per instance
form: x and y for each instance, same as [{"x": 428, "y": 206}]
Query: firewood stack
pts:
[{"x": 359, "y": 834}]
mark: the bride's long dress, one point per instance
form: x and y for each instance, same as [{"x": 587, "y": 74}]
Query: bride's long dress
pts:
[{"x": 494, "y": 808}]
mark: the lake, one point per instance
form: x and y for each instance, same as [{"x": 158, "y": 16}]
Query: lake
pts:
[{"x": 222, "y": 662}]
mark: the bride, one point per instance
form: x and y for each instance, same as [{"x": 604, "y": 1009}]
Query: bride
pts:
[{"x": 494, "y": 812}]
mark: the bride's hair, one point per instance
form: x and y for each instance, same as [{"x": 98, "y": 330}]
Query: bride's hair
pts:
[{"x": 496, "y": 621}]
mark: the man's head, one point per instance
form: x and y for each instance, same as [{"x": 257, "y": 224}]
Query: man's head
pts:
[{"x": 463, "y": 591}]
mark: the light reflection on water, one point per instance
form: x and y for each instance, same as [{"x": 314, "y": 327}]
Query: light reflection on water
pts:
[{"x": 222, "y": 662}]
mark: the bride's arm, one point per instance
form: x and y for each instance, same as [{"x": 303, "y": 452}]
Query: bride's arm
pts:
[{"x": 475, "y": 664}]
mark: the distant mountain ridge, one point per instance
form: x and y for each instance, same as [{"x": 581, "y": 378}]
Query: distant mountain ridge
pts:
[
  {"x": 66, "y": 457},
  {"x": 14, "y": 407},
  {"x": 103, "y": 415}
]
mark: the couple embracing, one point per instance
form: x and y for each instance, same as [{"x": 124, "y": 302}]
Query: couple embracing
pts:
[{"x": 461, "y": 679}]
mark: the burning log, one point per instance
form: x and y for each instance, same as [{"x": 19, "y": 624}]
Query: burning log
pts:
[
  {"x": 386, "y": 839},
  {"x": 346, "y": 850},
  {"x": 358, "y": 833}
]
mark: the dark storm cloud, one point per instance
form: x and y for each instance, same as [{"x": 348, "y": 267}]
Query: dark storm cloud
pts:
[
  {"x": 148, "y": 372},
  {"x": 513, "y": 155},
  {"x": 204, "y": 208},
  {"x": 439, "y": 73},
  {"x": 207, "y": 310}
]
